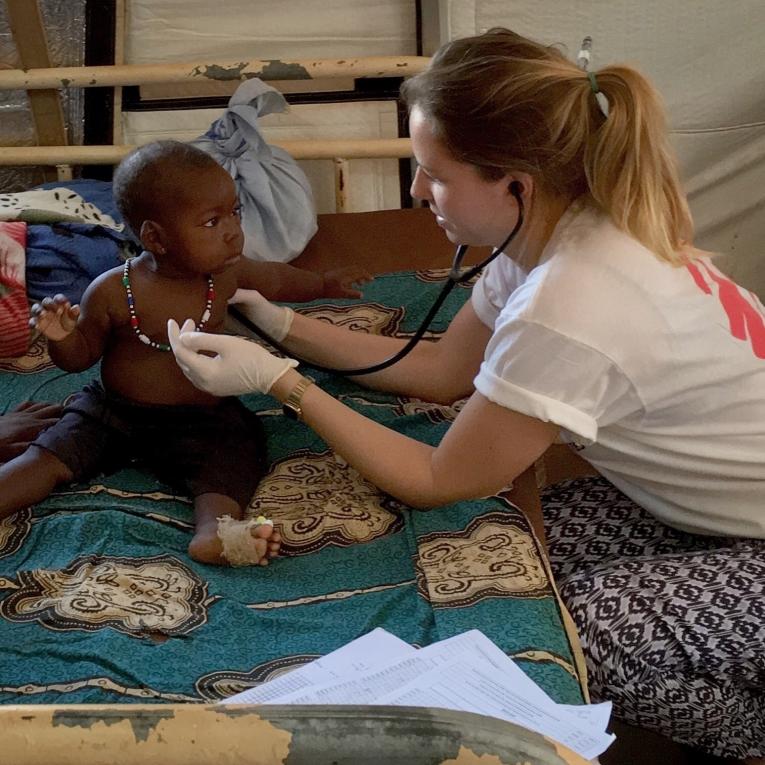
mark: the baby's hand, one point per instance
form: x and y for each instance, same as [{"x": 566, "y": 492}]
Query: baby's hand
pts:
[
  {"x": 55, "y": 317},
  {"x": 340, "y": 282}
]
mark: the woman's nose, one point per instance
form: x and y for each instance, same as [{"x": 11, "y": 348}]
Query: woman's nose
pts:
[{"x": 420, "y": 188}]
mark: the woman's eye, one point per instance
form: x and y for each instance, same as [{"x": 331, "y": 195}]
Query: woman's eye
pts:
[
  {"x": 238, "y": 211},
  {"x": 430, "y": 177},
  {"x": 211, "y": 223}
]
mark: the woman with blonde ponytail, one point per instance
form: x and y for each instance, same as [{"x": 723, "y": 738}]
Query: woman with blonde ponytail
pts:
[{"x": 598, "y": 324}]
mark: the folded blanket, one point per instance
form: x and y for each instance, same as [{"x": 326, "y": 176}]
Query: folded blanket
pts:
[{"x": 14, "y": 307}]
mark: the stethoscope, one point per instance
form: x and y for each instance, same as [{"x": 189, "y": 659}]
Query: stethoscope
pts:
[{"x": 456, "y": 276}]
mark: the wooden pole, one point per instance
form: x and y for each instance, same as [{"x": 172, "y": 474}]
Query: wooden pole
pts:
[
  {"x": 119, "y": 59},
  {"x": 341, "y": 184},
  {"x": 29, "y": 35},
  {"x": 265, "y": 69},
  {"x": 111, "y": 155}
]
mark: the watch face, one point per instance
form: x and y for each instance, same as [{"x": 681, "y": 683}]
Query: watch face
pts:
[
  {"x": 291, "y": 405},
  {"x": 291, "y": 411}
]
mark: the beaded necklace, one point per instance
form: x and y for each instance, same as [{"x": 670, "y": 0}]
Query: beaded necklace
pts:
[{"x": 135, "y": 324}]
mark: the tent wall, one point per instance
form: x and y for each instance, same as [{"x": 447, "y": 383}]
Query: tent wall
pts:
[
  {"x": 183, "y": 30},
  {"x": 706, "y": 59},
  {"x": 704, "y": 56}
]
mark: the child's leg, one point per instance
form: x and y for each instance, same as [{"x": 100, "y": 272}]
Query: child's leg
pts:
[
  {"x": 30, "y": 478},
  {"x": 262, "y": 542}
]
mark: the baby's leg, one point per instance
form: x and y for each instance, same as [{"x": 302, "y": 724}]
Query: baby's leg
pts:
[
  {"x": 30, "y": 478},
  {"x": 260, "y": 542}
]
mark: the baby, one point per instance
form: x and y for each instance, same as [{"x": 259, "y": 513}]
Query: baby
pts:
[{"x": 183, "y": 207}]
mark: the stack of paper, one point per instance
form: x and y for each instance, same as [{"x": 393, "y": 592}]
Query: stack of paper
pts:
[{"x": 466, "y": 673}]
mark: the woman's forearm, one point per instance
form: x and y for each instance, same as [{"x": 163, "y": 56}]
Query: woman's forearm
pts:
[
  {"x": 397, "y": 464},
  {"x": 341, "y": 348},
  {"x": 440, "y": 371},
  {"x": 485, "y": 448}
]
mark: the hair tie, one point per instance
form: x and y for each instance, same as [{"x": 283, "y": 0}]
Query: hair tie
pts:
[
  {"x": 583, "y": 57},
  {"x": 583, "y": 62}
]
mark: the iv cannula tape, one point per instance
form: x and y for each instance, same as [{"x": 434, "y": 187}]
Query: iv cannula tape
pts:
[{"x": 453, "y": 278}]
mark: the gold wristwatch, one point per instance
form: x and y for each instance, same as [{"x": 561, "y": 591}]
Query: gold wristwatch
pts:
[{"x": 291, "y": 405}]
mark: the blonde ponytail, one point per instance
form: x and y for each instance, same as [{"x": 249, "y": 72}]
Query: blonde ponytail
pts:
[
  {"x": 631, "y": 169},
  {"x": 507, "y": 104}
]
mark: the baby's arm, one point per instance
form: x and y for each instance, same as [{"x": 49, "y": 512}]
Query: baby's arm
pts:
[
  {"x": 283, "y": 282},
  {"x": 341, "y": 282},
  {"x": 55, "y": 317},
  {"x": 76, "y": 333}
]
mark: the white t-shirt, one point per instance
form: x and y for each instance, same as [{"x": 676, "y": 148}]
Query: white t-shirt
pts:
[{"x": 656, "y": 372}]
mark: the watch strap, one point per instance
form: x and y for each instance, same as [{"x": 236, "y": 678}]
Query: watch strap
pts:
[{"x": 291, "y": 405}]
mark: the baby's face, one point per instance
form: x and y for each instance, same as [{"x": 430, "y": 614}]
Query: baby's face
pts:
[{"x": 202, "y": 226}]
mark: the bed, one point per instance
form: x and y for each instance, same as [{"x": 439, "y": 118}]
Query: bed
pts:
[{"x": 112, "y": 636}]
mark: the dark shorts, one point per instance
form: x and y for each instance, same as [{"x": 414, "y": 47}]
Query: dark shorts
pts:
[{"x": 199, "y": 449}]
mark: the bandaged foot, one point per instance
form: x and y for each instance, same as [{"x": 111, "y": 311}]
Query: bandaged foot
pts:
[
  {"x": 248, "y": 543},
  {"x": 226, "y": 541}
]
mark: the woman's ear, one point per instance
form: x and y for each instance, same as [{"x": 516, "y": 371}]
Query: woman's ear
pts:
[
  {"x": 520, "y": 185},
  {"x": 151, "y": 237}
]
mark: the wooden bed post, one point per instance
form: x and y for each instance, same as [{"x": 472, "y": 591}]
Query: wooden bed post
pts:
[
  {"x": 29, "y": 36},
  {"x": 119, "y": 58},
  {"x": 341, "y": 184}
]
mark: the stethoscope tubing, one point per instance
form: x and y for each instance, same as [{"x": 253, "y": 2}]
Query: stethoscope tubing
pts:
[{"x": 456, "y": 276}]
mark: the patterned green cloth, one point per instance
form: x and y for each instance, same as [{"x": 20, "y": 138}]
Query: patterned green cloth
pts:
[{"x": 99, "y": 602}]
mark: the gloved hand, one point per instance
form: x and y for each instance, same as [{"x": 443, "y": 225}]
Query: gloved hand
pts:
[
  {"x": 274, "y": 320},
  {"x": 239, "y": 366}
]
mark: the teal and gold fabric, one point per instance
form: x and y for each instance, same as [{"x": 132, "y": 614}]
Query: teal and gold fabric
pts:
[{"x": 99, "y": 602}]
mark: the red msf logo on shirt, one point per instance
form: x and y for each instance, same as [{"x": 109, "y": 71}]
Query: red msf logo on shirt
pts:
[{"x": 745, "y": 320}]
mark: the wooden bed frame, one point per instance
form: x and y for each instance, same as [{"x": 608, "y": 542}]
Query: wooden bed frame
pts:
[{"x": 197, "y": 734}]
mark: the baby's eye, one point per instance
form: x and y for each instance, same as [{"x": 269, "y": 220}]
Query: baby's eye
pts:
[{"x": 211, "y": 223}]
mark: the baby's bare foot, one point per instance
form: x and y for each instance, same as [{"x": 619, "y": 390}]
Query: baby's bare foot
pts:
[{"x": 229, "y": 542}]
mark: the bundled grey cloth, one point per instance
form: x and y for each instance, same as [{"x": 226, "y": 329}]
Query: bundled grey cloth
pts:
[{"x": 278, "y": 211}]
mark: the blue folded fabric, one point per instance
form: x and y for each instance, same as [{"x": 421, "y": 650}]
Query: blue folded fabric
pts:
[
  {"x": 278, "y": 211},
  {"x": 66, "y": 257}
]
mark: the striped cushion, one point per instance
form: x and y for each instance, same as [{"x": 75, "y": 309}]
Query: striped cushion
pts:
[{"x": 14, "y": 307}]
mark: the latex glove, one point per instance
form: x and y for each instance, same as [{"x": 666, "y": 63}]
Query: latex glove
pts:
[
  {"x": 274, "y": 320},
  {"x": 238, "y": 366}
]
